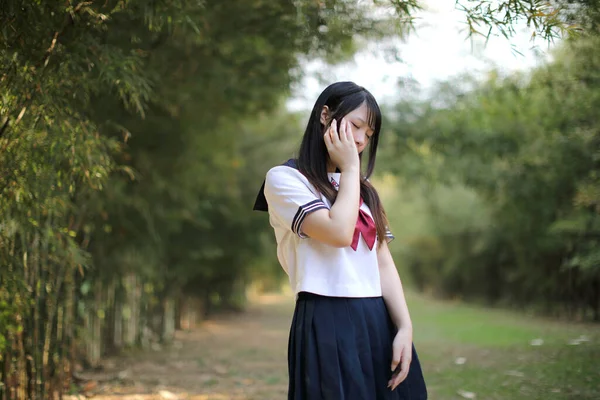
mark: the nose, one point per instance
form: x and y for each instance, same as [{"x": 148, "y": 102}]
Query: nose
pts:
[{"x": 360, "y": 138}]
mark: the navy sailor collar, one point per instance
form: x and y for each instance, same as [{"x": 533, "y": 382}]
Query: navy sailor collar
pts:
[{"x": 260, "y": 204}]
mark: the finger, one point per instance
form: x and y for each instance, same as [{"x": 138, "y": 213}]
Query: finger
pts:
[
  {"x": 396, "y": 353},
  {"x": 401, "y": 376},
  {"x": 343, "y": 130},
  {"x": 349, "y": 136},
  {"x": 334, "y": 133},
  {"x": 406, "y": 357},
  {"x": 404, "y": 368},
  {"x": 327, "y": 138},
  {"x": 396, "y": 380}
]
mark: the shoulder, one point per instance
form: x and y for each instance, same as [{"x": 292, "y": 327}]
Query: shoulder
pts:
[{"x": 283, "y": 175}]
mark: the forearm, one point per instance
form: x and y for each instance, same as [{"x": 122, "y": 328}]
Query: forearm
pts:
[
  {"x": 344, "y": 211},
  {"x": 393, "y": 293},
  {"x": 336, "y": 225}
]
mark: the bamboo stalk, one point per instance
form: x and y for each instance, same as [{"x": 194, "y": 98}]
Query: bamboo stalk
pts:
[
  {"x": 69, "y": 320},
  {"x": 60, "y": 349},
  {"x": 168, "y": 328},
  {"x": 21, "y": 365},
  {"x": 52, "y": 306},
  {"x": 38, "y": 285}
]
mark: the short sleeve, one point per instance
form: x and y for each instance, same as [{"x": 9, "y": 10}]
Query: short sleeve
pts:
[
  {"x": 289, "y": 198},
  {"x": 389, "y": 236}
]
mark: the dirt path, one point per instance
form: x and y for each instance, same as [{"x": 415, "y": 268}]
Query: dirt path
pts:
[{"x": 240, "y": 356}]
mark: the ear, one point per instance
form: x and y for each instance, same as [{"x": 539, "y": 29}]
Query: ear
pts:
[{"x": 324, "y": 115}]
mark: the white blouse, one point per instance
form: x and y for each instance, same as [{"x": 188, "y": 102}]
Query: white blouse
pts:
[{"x": 313, "y": 266}]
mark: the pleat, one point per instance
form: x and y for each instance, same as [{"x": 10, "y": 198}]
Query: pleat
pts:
[
  {"x": 311, "y": 370},
  {"x": 348, "y": 333},
  {"x": 341, "y": 349},
  {"x": 379, "y": 348},
  {"x": 292, "y": 354},
  {"x": 326, "y": 338},
  {"x": 364, "y": 345}
]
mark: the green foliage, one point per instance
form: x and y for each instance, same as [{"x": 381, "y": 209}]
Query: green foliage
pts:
[
  {"x": 486, "y": 18},
  {"x": 527, "y": 146},
  {"x": 585, "y": 13}
]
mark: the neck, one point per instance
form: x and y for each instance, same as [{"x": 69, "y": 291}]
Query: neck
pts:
[{"x": 331, "y": 167}]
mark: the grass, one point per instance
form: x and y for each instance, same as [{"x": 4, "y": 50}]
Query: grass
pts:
[{"x": 499, "y": 360}]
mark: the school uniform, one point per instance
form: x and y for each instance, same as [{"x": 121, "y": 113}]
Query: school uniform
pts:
[{"x": 340, "y": 343}]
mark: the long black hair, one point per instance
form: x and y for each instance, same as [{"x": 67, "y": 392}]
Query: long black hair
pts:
[{"x": 341, "y": 98}]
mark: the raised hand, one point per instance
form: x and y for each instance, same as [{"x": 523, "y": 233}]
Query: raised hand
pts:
[{"x": 341, "y": 147}]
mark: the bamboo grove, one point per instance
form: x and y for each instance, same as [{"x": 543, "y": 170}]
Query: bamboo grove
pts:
[{"x": 133, "y": 135}]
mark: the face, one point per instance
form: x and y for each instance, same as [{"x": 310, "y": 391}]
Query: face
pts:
[{"x": 361, "y": 130}]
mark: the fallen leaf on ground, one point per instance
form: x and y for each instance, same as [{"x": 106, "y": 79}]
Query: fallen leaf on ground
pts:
[
  {"x": 205, "y": 377},
  {"x": 221, "y": 370},
  {"x": 123, "y": 374},
  {"x": 579, "y": 340},
  {"x": 466, "y": 395},
  {"x": 156, "y": 347},
  {"x": 91, "y": 385}
]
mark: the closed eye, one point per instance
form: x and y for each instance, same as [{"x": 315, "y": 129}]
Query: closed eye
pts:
[{"x": 358, "y": 127}]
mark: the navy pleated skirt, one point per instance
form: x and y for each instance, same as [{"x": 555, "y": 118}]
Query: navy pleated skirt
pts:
[{"x": 341, "y": 349}]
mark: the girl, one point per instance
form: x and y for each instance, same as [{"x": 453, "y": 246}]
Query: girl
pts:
[{"x": 351, "y": 334}]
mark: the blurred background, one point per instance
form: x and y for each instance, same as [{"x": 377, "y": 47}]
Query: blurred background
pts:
[{"x": 134, "y": 136}]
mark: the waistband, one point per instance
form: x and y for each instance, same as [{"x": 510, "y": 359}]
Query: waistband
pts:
[{"x": 312, "y": 296}]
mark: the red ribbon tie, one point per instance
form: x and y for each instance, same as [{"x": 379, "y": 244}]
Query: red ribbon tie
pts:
[{"x": 365, "y": 226}]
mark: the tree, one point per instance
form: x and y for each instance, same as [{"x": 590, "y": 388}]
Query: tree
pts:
[{"x": 527, "y": 146}]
